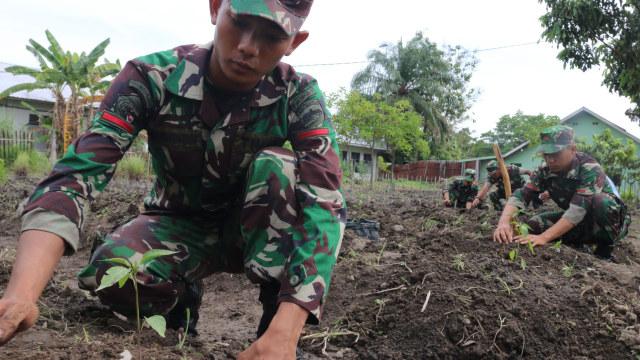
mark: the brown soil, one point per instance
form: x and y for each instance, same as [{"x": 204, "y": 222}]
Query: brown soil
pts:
[{"x": 563, "y": 305}]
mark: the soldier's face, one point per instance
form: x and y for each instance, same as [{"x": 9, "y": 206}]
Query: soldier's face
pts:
[
  {"x": 246, "y": 47},
  {"x": 496, "y": 174},
  {"x": 560, "y": 161}
]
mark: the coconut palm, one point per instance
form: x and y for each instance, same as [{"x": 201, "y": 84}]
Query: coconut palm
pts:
[
  {"x": 431, "y": 79},
  {"x": 59, "y": 71}
]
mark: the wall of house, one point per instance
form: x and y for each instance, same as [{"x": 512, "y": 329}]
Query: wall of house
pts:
[
  {"x": 12, "y": 109},
  {"x": 360, "y": 154}
]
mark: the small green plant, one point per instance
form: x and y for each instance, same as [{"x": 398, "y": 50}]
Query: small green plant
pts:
[
  {"x": 380, "y": 253},
  {"x": 426, "y": 227},
  {"x": 132, "y": 167},
  {"x": 521, "y": 229},
  {"x": 380, "y": 304},
  {"x": 184, "y": 336},
  {"x": 567, "y": 269},
  {"x": 636, "y": 354},
  {"x": 128, "y": 270},
  {"x": 556, "y": 246},
  {"x": 457, "y": 261}
]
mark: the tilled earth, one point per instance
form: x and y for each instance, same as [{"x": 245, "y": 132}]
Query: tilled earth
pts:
[{"x": 434, "y": 286}]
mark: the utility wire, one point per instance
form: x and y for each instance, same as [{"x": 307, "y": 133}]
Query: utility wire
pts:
[{"x": 367, "y": 61}]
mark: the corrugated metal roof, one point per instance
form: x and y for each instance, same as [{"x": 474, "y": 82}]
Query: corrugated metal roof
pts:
[{"x": 8, "y": 80}]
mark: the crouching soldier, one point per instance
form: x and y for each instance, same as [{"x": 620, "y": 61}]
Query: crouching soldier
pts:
[
  {"x": 494, "y": 177},
  {"x": 461, "y": 191},
  {"x": 592, "y": 214}
]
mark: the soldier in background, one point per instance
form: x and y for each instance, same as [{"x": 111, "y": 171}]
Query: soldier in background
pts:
[
  {"x": 227, "y": 196},
  {"x": 460, "y": 192},
  {"x": 593, "y": 213},
  {"x": 494, "y": 177}
]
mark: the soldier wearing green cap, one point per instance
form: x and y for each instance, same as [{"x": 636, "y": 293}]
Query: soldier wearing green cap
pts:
[
  {"x": 592, "y": 214},
  {"x": 461, "y": 191},
  {"x": 227, "y": 196},
  {"x": 494, "y": 177}
]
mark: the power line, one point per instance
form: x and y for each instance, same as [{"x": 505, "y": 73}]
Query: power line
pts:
[
  {"x": 367, "y": 61},
  {"x": 468, "y": 51}
]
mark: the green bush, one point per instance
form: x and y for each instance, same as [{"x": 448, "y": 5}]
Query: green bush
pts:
[
  {"x": 3, "y": 173},
  {"x": 347, "y": 174},
  {"x": 21, "y": 164},
  {"x": 131, "y": 167},
  {"x": 39, "y": 163}
]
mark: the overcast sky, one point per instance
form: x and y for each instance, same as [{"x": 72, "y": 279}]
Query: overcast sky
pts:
[{"x": 525, "y": 77}]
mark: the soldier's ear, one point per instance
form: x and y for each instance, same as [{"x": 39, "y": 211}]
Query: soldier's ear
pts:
[
  {"x": 214, "y": 10},
  {"x": 298, "y": 39}
]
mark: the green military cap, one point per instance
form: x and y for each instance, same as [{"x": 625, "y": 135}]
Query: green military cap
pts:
[
  {"x": 555, "y": 138},
  {"x": 492, "y": 166},
  {"x": 289, "y": 14},
  {"x": 469, "y": 175}
]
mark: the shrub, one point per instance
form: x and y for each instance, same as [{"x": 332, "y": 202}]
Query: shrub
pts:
[
  {"x": 21, "y": 164},
  {"x": 39, "y": 163},
  {"x": 3, "y": 173},
  {"x": 131, "y": 167}
]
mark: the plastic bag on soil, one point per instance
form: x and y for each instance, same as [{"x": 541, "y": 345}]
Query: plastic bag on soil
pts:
[{"x": 365, "y": 228}]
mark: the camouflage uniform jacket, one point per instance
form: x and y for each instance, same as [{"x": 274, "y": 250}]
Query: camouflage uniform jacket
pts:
[
  {"x": 200, "y": 157},
  {"x": 572, "y": 192},
  {"x": 460, "y": 191},
  {"x": 515, "y": 176}
]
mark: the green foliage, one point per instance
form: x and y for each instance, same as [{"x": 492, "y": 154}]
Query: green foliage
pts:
[
  {"x": 3, "y": 173},
  {"x": 132, "y": 167},
  {"x": 287, "y": 145},
  {"x": 38, "y": 163},
  {"x": 511, "y": 131},
  {"x": 382, "y": 165},
  {"x": 21, "y": 164},
  {"x": 362, "y": 167},
  {"x": 435, "y": 81},
  {"x": 617, "y": 159},
  {"x": 599, "y": 33},
  {"x": 127, "y": 270},
  {"x": 347, "y": 173},
  {"x": 6, "y": 123}
]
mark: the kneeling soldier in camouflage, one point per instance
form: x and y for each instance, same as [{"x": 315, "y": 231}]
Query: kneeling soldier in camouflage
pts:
[
  {"x": 461, "y": 191},
  {"x": 494, "y": 177},
  {"x": 575, "y": 181},
  {"x": 227, "y": 196}
]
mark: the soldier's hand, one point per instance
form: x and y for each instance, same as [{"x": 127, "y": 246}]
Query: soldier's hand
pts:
[
  {"x": 503, "y": 233},
  {"x": 476, "y": 201},
  {"x": 447, "y": 201},
  {"x": 536, "y": 240},
  {"x": 16, "y": 315},
  {"x": 544, "y": 196}
]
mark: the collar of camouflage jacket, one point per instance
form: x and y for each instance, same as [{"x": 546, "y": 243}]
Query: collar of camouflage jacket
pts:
[{"x": 188, "y": 77}]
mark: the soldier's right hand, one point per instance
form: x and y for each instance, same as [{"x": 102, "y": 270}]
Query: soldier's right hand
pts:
[
  {"x": 476, "y": 201},
  {"x": 447, "y": 201},
  {"x": 503, "y": 233},
  {"x": 16, "y": 315}
]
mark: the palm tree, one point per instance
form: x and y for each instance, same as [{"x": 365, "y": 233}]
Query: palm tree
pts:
[
  {"x": 429, "y": 78},
  {"x": 58, "y": 71}
]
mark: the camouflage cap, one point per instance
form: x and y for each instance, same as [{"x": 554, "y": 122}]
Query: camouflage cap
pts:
[
  {"x": 555, "y": 138},
  {"x": 289, "y": 14},
  {"x": 469, "y": 175},
  {"x": 492, "y": 166}
]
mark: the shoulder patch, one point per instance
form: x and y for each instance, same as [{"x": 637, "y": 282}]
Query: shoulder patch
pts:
[{"x": 117, "y": 121}]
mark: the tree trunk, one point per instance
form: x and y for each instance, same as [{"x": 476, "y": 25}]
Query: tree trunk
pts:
[
  {"x": 372, "y": 167},
  {"x": 53, "y": 157},
  {"x": 393, "y": 162}
]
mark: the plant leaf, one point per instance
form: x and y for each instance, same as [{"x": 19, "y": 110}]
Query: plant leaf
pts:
[
  {"x": 512, "y": 254},
  {"x": 157, "y": 323},
  {"x": 124, "y": 262},
  {"x": 523, "y": 264},
  {"x": 113, "y": 275},
  {"x": 154, "y": 253}
]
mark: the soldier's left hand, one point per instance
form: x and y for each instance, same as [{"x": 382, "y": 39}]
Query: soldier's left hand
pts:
[{"x": 536, "y": 240}]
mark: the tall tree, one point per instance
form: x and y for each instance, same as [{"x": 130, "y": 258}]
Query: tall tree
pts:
[
  {"x": 60, "y": 70},
  {"x": 434, "y": 81},
  {"x": 511, "y": 131},
  {"x": 599, "y": 32}
]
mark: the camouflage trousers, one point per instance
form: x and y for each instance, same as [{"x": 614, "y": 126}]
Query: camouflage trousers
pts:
[
  {"x": 606, "y": 222},
  {"x": 254, "y": 237}
]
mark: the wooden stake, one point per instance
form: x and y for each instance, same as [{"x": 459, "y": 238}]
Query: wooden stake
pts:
[{"x": 424, "y": 306}]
